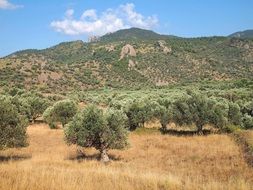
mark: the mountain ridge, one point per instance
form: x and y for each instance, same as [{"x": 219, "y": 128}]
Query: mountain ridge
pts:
[
  {"x": 134, "y": 63},
  {"x": 134, "y": 33},
  {"x": 242, "y": 34}
]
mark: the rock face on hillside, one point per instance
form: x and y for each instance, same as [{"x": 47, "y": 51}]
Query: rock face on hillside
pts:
[
  {"x": 245, "y": 47},
  {"x": 165, "y": 49},
  {"x": 127, "y": 50},
  {"x": 110, "y": 48},
  {"x": 131, "y": 64},
  {"x": 135, "y": 61}
]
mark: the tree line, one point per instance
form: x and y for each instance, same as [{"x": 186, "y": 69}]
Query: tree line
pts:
[{"x": 109, "y": 129}]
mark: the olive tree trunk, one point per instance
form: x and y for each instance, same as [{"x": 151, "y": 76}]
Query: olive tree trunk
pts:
[
  {"x": 104, "y": 156},
  {"x": 163, "y": 128},
  {"x": 200, "y": 129}
]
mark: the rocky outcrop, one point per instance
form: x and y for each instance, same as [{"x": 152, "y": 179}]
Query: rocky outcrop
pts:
[
  {"x": 131, "y": 64},
  {"x": 110, "y": 48},
  {"x": 127, "y": 50},
  {"x": 163, "y": 47}
]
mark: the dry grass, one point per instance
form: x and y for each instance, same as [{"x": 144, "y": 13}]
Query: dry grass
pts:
[
  {"x": 152, "y": 162},
  {"x": 245, "y": 141}
]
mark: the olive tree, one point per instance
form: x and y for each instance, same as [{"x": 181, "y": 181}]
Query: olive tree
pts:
[
  {"x": 234, "y": 114},
  {"x": 49, "y": 117},
  {"x": 62, "y": 111},
  {"x": 92, "y": 128},
  {"x": 140, "y": 112},
  {"x": 165, "y": 116},
  {"x": 12, "y": 126},
  {"x": 200, "y": 110},
  {"x": 247, "y": 121},
  {"x": 33, "y": 105}
]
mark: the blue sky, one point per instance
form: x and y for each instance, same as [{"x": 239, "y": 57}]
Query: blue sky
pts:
[{"x": 40, "y": 24}]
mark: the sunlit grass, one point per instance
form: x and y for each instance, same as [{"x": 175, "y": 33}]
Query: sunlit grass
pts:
[{"x": 153, "y": 161}]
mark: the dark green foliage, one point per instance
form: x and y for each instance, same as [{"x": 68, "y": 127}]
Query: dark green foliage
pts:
[
  {"x": 247, "y": 122},
  {"x": 12, "y": 125},
  {"x": 219, "y": 114},
  {"x": 200, "y": 110},
  {"x": 117, "y": 135},
  {"x": 91, "y": 128},
  {"x": 234, "y": 114},
  {"x": 138, "y": 113},
  {"x": 132, "y": 34},
  {"x": 165, "y": 116},
  {"x": 49, "y": 117},
  {"x": 62, "y": 111},
  {"x": 33, "y": 105}
]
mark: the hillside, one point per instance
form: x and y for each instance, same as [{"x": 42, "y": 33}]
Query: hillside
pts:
[
  {"x": 243, "y": 34},
  {"x": 133, "y": 34},
  {"x": 122, "y": 59}
]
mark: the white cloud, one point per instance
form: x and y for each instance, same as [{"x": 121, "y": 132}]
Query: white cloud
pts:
[
  {"x": 137, "y": 19},
  {"x": 91, "y": 23},
  {"x": 5, "y": 4}
]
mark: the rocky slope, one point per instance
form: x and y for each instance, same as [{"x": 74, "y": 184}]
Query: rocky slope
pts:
[{"x": 128, "y": 62}]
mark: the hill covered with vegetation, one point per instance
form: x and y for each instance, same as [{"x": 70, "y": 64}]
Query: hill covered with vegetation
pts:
[
  {"x": 133, "y": 34},
  {"x": 243, "y": 34},
  {"x": 132, "y": 58}
]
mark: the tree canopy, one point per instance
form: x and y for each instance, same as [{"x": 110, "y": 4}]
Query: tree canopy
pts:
[
  {"x": 12, "y": 126},
  {"x": 62, "y": 111},
  {"x": 93, "y": 128}
]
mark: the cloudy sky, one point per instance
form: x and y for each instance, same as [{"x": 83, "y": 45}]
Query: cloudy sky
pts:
[{"x": 40, "y": 24}]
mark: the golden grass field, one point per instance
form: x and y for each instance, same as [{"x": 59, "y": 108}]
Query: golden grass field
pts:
[{"x": 153, "y": 161}]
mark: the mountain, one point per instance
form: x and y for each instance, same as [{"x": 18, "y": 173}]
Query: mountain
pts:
[
  {"x": 132, "y": 34},
  {"x": 133, "y": 58},
  {"x": 243, "y": 34}
]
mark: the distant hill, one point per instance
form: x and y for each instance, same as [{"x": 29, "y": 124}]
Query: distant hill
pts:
[
  {"x": 243, "y": 34},
  {"x": 133, "y": 34},
  {"x": 132, "y": 58}
]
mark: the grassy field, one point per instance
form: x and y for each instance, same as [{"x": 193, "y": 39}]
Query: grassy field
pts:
[{"x": 152, "y": 161}]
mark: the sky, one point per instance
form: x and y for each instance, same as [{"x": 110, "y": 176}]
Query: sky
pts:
[{"x": 30, "y": 24}]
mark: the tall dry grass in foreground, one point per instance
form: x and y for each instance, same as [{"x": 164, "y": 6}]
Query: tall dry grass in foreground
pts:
[{"x": 152, "y": 162}]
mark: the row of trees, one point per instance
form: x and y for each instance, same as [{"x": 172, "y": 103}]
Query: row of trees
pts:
[
  {"x": 16, "y": 110},
  {"x": 190, "y": 109},
  {"x": 92, "y": 127}
]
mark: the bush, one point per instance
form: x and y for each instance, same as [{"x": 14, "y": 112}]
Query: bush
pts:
[
  {"x": 140, "y": 112},
  {"x": 247, "y": 121},
  {"x": 62, "y": 111},
  {"x": 165, "y": 116},
  {"x": 200, "y": 110},
  {"x": 12, "y": 126},
  {"x": 92, "y": 128},
  {"x": 234, "y": 114},
  {"x": 231, "y": 128},
  {"x": 33, "y": 105}
]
